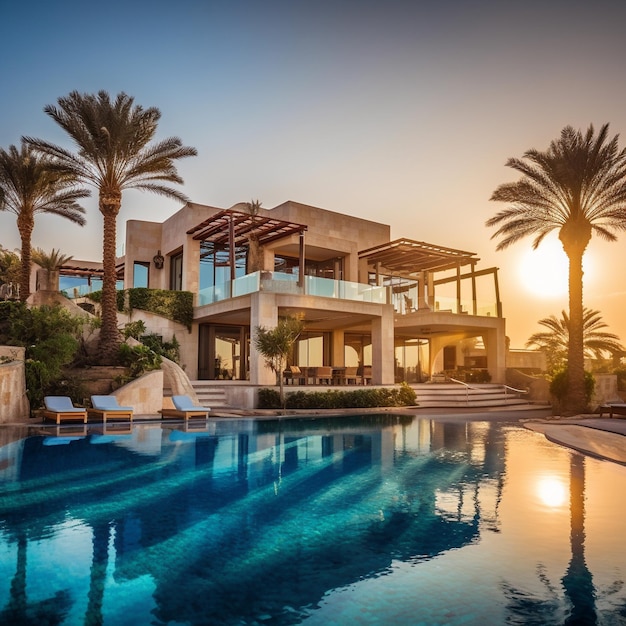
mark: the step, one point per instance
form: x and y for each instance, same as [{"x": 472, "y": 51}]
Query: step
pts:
[
  {"x": 210, "y": 394},
  {"x": 453, "y": 395}
]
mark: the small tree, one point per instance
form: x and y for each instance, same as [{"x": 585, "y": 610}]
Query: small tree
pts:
[
  {"x": 276, "y": 345},
  {"x": 10, "y": 267}
]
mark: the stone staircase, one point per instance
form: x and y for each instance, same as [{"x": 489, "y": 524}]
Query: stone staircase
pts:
[
  {"x": 450, "y": 395},
  {"x": 210, "y": 394},
  {"x": 453, "y": 395}
]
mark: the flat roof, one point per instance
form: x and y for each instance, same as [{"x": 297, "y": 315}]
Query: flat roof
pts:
[{"x": 406, "y": 256}]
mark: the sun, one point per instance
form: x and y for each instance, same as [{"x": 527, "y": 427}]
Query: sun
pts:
[{"x": 544, "y": 271}]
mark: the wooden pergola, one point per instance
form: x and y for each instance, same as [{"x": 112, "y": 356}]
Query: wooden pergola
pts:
[
  {"x": 231, "y": 228},
  {"x": 413, "y": 260}
]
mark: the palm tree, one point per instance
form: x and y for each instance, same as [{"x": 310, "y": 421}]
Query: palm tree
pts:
[
  {"x": 50, "y": 261},
  {"x": 30, "y": 186},
  {"x": 554, "y": 341},
  {"x": 578, "y": 188},
  {"x": 254, "y": 261},
  {"x": 114, "y": 153}
]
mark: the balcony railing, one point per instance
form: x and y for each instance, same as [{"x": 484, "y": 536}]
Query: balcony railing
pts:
[{"x": 278, "y": 282}]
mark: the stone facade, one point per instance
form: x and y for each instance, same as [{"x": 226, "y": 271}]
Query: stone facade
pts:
[{"x": 14, "y": 405}]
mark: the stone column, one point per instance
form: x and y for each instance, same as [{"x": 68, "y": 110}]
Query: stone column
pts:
[
  {"x": 263, "y": 312},
  {"x": 383, "y": 348}
]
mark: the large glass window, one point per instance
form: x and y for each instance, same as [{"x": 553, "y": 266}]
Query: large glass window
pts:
[
  {"x": 313, "y": 349},
  {"x": 223, "y": 352},
  {"x": 215, "y": 264},
  {"x": 412, "y": 358},
  {"x": 330, "y": 268},
  {"x": 357, "y": 349}
]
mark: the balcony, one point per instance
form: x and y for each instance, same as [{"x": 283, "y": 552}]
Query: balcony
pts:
[{"x": 278, "y": 282}]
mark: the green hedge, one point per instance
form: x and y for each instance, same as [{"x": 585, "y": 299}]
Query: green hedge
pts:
[
  {"x": 174, "y": 305},
  {"x": 335, "y": 399}
]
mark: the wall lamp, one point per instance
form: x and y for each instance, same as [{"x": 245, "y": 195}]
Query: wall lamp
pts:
[{"x": 158, "y": 260}]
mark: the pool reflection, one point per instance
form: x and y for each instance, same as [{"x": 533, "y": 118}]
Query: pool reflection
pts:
[{"x": 268, "y": 520}]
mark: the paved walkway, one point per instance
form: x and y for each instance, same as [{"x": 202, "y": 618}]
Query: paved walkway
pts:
[{"x": 604, "y": 438}]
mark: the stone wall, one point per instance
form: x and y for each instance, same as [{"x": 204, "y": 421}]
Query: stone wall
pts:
[
  {"x": 14, "y": 406},
  {"x": 144, "y": 394}
]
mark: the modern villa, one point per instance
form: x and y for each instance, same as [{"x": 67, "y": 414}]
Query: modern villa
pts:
[{"x": 375, "y": 310}]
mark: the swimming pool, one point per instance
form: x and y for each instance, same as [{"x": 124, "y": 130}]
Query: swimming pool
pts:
[{"x": 372, "y": 520}]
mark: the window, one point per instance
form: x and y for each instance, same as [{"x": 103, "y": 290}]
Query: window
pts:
[
  {"x": 141, "y": 273},
  {"x": 215, "y": 264},
  {"x": 176, "y": 272}
]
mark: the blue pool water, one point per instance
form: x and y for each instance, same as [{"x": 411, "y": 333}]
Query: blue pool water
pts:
[{"x": 375, "y": 520}]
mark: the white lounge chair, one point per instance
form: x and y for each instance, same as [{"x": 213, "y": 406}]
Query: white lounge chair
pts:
[
  {"x": 107, "y": 407},
  {"x": 60, "y": 409},
  {"x": 185, "y": 408}
]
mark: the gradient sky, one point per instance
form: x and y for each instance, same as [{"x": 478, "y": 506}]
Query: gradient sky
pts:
[{"x": 398, "y": 112}]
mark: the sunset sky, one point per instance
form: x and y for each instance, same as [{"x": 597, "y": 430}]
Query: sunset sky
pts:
[{"x": 398, "y": 112}]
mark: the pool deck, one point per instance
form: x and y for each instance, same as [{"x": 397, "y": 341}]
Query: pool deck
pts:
[{"x": 603, "y": 438}]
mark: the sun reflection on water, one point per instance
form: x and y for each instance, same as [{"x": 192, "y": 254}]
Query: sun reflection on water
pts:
[{"x": 551, "y": 491}]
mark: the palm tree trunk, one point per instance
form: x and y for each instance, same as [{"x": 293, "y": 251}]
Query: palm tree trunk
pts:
[
  {"x": 578, "y": 581},
  {"x": 109, "y": 334},
  {"x": 575, "y": 400},
  {"x": 25, "y": 225}
]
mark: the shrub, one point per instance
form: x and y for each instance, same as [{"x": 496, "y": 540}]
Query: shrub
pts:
[
  {"x": 138, "y": 359},
  {"x": 559, "y": 385},
  {"x": 363, "y": 398},
  {"x": 134, "y": 329},
  {"x": 50, "y": 336},
  {"x": 169, "y": 349},
  {"x": 620, "y": 372},
  {"x": 174, "y": 305}
]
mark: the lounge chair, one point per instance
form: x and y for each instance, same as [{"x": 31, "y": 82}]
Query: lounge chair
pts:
[
  {"x": 107, "y": 407},
  {"x": 185, "y": 408},
  {"x": 619, "y": 408},
  {"x": 60, "y": 409}
]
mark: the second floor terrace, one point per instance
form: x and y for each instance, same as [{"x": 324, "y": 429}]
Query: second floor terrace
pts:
[{"x": 232, "y": 253}]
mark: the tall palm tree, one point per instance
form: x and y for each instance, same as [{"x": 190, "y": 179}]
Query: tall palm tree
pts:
[
  {"x": 578, "y": 188},
  {"x": 30, "y": 186},
  {"x": 114, "y": 153},
  {"x": 555, "y": 341}
]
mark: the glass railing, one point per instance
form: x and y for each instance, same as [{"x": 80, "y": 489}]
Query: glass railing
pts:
[
  {"x": 278, "y": 282},
  {"x": 345, "y": 290}
]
